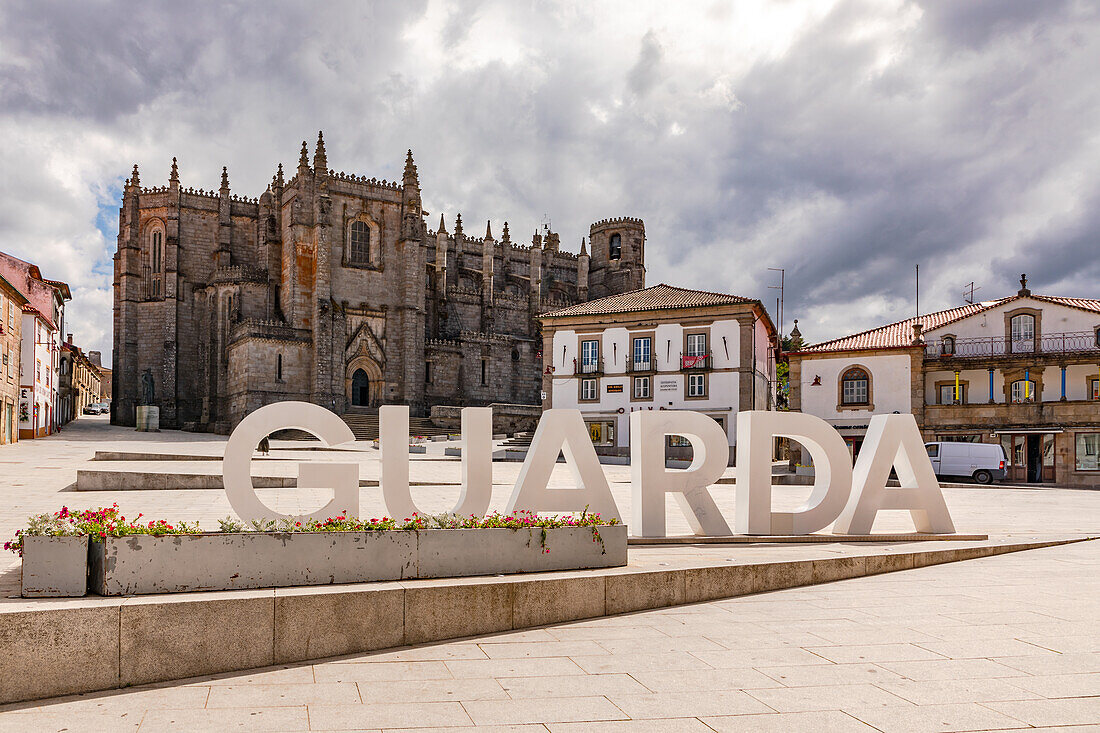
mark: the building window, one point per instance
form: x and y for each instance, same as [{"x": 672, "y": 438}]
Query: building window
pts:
[
  {"x": 484, "y": 372},
  {"x": 1097, "y": 334},
  {"x": 697, "y": 385},
  {"x": 1088, "y": 452},
  {"x": 696, "y": 344},
  {"x": 947, "y": 394},
  {"x": 602, "y": 432},
  {"x": 155, "y": 262},
  {"x": 590, "y": 356},
  {"x": 279, "y": 367},
  {"x": 642, "y": 387},
  {"x": 589, "y": 392},
  {"x": 428, "y": 372},
  {"x": 615, "y": 247},
  {"x": 360, "y": 243},
  {"x": 1022, "y": 332},
  {"x": 1022, "y": 391},
  {"x": 1094, "y": 389},
  {"x": 643, "y": 352},
  {"x": 948, "y": 345},
  {"x": 855, "y": 388}
]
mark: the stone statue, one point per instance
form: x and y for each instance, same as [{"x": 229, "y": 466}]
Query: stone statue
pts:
[{"x": 148, "y": 388}]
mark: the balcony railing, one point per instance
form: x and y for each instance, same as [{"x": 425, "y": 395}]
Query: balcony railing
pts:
[
  {"x": 588, "y": 367},
  {"x": 695, "y": 361},
  {"x": 641, "y": 365},
  {"x": 1077, "y": 342}
]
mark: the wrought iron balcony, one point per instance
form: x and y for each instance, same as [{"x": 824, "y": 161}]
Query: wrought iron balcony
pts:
[
  {"x": 588, "y": 367},
  {"x": 1077, "y": 342},
  {"x": 695, "y": 361},
  {"x": 641, "y": 365}
]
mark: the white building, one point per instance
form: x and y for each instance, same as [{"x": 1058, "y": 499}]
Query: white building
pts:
[
  {"x": 38, "y": 383},
  {"x": 1022, "y": 371},
  {"x": 40, "y": 360},
  {"x": 659, "y": 348}
]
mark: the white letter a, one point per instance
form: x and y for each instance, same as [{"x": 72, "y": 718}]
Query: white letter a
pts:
[
  {"x": 893, "y": 441},
  {"x": 562, "y": 431}
]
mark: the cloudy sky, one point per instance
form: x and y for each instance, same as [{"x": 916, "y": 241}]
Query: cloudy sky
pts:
[{"x": 843, "y": 140}]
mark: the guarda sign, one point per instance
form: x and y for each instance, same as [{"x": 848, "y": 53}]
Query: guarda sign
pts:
[{"x": 847, "y": 497}]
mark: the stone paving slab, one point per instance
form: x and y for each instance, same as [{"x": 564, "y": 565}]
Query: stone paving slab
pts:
[{"x": 481, "y": 683}]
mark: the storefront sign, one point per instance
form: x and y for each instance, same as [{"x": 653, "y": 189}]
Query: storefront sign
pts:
[
  {"x": 614, "y": 388},
  {"x": 847, "y": 497}
]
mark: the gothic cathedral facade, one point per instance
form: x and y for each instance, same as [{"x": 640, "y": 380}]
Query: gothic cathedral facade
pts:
[{"x": 329, "y": 288}]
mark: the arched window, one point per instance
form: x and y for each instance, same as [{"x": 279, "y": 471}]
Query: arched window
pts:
[
  {"x": 1022, "y": 391},
  {"x": 155, "y": 262},
  {"x": 360, "y": 243},
  {"x": 615, "y": 247},
  {"x": 1022, "y": 332},
  {"x": 855, "y": 387},
  {"x": 948, "y": 344},
  {"x": 1097, "y": 333}
]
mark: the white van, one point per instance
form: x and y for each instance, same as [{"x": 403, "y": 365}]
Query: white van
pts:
[{"x": 984, "y": 462}]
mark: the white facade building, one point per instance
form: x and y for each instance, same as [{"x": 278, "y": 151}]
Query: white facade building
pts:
[
  {"x": 1021, "y": 371},
  {"x": 38, "y": 383},
  {"x": 659, "y": 348}
]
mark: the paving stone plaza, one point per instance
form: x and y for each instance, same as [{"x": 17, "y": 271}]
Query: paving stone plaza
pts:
[{"x": 995, "y": 643}]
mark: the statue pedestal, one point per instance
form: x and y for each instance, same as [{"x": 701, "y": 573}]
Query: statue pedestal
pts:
[{"x": 148, "y": 418}]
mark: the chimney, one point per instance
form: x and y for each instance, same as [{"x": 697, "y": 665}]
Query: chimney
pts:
[
  {"x": 918, "y": 328},
  {"x": 70, "y": 339}
]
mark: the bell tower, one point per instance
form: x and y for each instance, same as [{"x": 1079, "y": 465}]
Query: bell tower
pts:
[{"x": 618, "y": 256}]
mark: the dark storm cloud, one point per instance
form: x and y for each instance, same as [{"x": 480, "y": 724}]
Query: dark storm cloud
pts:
[{"x": 845, "y": 144}]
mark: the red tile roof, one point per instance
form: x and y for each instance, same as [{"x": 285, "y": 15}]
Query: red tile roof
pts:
[
  {"x": 658, "y": 297},
  {"x": 900, "y": 334}
]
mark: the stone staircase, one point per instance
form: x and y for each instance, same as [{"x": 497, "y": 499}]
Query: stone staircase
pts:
[{"x": 363, "y": 422}]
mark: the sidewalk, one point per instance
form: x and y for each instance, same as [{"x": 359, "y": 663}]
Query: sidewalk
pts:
[{"x": 1000, "y": 643}]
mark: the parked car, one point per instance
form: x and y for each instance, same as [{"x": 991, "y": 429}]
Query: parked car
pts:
[
  {"x": 93, "y": 409},
  {"x": 983, "y": 462},
  {"x": 104, "y": 408}
]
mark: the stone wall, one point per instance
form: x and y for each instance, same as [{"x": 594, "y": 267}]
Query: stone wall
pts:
[{"x": 507, "y": 418}]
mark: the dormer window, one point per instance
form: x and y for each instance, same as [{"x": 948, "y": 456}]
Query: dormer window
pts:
[{"x": 615, "y": 247}]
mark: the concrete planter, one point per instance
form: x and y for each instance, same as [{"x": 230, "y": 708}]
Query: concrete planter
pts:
[
  {"x": 141, "y": 564},
  {"x": 450, "y": 553},
  {"x": 416, "y": 448},
  {"x": 54, "y": 567}
]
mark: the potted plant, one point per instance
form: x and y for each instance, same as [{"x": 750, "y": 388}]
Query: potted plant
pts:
[{"x": 55, "y": 556}]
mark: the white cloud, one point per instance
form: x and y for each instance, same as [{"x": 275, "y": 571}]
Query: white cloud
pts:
[{"x": 842, "y": 139}]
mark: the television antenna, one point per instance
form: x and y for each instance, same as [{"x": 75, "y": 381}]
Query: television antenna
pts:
[
  {"x": 968, "y": 292},
  {"x": 782, "y": 278}
]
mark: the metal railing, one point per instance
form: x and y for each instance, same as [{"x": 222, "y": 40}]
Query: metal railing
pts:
[
  {"x": 1075, "y": 342},
  {"x": 695, "y": 361},
  {"x": 591, "y": 367},
  {"x": 641, "y": 365}
]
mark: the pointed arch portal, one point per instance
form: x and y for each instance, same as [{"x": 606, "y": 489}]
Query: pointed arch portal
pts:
[{"x": 360, "y": 389}]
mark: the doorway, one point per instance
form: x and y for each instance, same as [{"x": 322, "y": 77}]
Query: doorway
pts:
[
  {"x": 1030, "y": 457},
  {"x": 360, "y": 389}
]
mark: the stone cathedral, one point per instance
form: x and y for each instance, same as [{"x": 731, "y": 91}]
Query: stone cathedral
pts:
[{"x": 329, "y": 288}]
